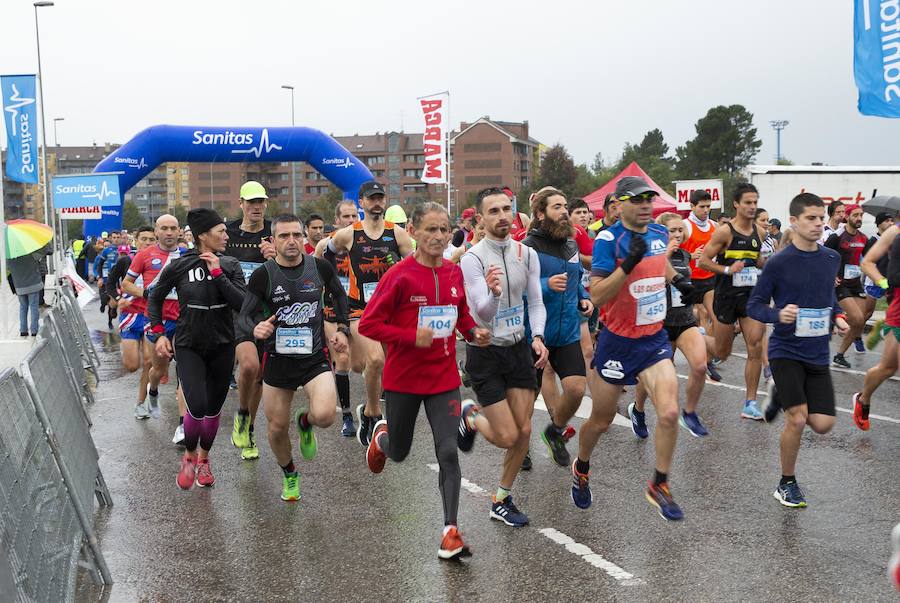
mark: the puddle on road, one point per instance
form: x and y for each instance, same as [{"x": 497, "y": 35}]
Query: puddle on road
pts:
[{"x": 107, "y": 345}]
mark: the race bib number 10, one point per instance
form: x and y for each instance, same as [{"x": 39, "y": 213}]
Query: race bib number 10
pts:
[{"x": 440, "y": 319}]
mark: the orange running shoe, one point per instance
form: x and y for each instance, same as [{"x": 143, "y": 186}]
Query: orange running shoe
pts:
[
  {"x": 187, "y": 474},
  {"x": 860, "y": 413},
  {"x": 452, "y": 545},
  {"x": 375, "y": 457},
  {"x": 205, "y": 477}
]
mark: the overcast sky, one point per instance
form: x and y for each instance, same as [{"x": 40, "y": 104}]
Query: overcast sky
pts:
[{"x": 590, "y": 75}]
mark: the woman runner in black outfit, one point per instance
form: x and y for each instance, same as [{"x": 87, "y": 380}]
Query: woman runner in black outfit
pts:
[{"x": 209, "y": 287}]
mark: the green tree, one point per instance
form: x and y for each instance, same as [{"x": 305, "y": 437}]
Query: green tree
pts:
[
  {"x": 725, "y": 143},
  {"x": 784, "y": 161},
  {"x": 180, "y": 213},
  {"x": 585, "y": 181},
  {"x": 132, "y": 217},
  {"x": 652, "y": 154},
  {"x": 557, "y": 170}
]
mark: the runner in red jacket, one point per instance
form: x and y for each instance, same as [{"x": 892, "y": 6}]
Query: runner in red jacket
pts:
[{"x": 419, "y": 305}]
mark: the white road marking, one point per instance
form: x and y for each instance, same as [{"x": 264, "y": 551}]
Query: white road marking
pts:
[
  {"x": 584, "y": 411},
  {"x": 871, "y": 416},
  {"x": 621, "y": 576},
  {"x": 833, "y": 368}
]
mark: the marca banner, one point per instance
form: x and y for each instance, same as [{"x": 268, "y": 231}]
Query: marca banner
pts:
[
  {"x": 684, "y": 188},
  {"x": 86, "y": 190},
  {"x": 80, "y": 213},
  {"x": 876, "y": 56},
  {"x": 435, "y": 109},
  {"x": 20, "y": 118}
]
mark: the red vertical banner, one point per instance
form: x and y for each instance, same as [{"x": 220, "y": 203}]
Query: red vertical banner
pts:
[{"x": 435, "y": 110}]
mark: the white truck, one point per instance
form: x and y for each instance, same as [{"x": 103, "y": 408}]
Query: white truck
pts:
[{"x": 778, "y": 184}]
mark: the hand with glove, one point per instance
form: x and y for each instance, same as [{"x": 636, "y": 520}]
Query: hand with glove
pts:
[
  {"x": 684, "y": 284},
  {"x": 637, "y": 247}
]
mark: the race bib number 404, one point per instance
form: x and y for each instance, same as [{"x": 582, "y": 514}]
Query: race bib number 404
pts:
[{"x": 440, "y": 319}]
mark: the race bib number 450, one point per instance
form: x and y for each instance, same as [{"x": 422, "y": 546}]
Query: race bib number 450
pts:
[{"x": 440, "y": 319}]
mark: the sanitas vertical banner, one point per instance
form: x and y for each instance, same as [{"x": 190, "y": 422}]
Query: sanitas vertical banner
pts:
[
  {"x": 435, "y": 109},
  {"x": 876, "y": 56},
  {"x": 20, "y": 117}
]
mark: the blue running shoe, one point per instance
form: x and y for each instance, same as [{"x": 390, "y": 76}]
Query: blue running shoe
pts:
[
  {"x": 691, "y": 422},
  {"x": 581, "y": 488},
  {"x": 638, "y": 422},
  {"x": 767, "y": 372},
  {"x": 659, "y": 496},
  {"x": 859, "y": 345},
  {"x": 713, "y": 372},
  {"x": 507, "y": 512},
  {"x": 751, "y": 411},
  {"x": 348, "y": 429},
  {"x": 790, "y": 495}
]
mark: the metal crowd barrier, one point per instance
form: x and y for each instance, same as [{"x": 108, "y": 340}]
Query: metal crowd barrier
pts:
[{"x": 49, "y": 469}]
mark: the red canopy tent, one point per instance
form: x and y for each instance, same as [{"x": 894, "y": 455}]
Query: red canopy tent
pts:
[{"x": 665, "y": 202}]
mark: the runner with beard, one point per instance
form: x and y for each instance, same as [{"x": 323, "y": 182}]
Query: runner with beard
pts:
[
  {"x": 372, "y": 245},
  {"x": 883, "y": 221},
  {"x": 849, "y": 290},
  {"x": 345, "y": 214},
  {"x": 733, "y": 253},
  {"x": 565, "y": 300},
  {"x": 888, "y": 245},
  {"x": 147, "y": 265},
  {"x": 628, "y": 278},
  {"x": 250, "y": 243},
  {"x": 835, "y": 223},
  {"x": 499, "y": 274}
]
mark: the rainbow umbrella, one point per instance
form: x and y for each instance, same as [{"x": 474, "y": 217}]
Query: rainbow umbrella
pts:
[{"x": 26, "y": 236}]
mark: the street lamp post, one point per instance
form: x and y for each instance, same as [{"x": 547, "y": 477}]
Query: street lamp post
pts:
[
  {"x": 778, "y": 125},
  {"x": 55, "y": 121},
  {"x": 48, "y": 215},
  {"x": 293, "y": 163}
]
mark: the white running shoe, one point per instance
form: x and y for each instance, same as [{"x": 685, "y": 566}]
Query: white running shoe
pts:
[
  {"x": 141, "y": 411},
  {"x": 152, "y": 404},
  {"x": 178, "y": 438}
]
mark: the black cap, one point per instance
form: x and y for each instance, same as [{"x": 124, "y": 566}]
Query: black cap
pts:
[
  {"x": 632, "y": 186},
  {"x": 775, "y": 222},
  {"x": 699, "y": 195},
  {"x": 882, "y": 216},
  {"x": 203, "y": 219},
  {"x": 329, "y": 228},
  {"x": 369, "y": 188}
]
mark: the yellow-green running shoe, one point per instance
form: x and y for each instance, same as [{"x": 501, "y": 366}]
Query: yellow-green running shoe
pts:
[
  {"x": 251, "y": 452},
  {"x": 290, "y": 490},
  {"x": 240, "y": 433},
  {"x": 875, "y": 335},
  {"x": 308, "y": 443}
]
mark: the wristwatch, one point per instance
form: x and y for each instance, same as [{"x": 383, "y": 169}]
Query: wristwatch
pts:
[{"x": 344, "y": 329}]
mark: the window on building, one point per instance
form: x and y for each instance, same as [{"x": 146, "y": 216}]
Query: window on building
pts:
[
  {"x": 483, "y": 180},
  {"x": 374, "y": 159},
  {"x": 378, "y": 173},
  {"x": 394, "y": 189},
  {"x": 185, "y": 196},
  {"x": 482, "y": 147},
  {"x": 409, "y": 158},
  {"x": 394, "y": 159},
  {"x": 185, "y": 171},
  {"x": 415, "y": 187},
  {"x": 312, "y": 175},
  {"x": 412, "y": 173},
  {"x": 483, "y": 164},
  {"x": 392, "y": 174},
  {"x": 284, "y": 177},
  {"x": 285, "y": 190}
]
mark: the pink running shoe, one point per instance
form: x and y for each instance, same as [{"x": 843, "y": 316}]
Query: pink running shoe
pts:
[
  {"x": 205, "y": 477},
  {"x": 185, "y": 477}
]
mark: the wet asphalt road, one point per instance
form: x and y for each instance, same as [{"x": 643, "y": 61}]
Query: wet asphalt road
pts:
[{"x": 356, "y": 536}]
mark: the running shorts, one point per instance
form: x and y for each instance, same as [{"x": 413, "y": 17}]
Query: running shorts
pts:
[
  {"x": 675, "y": 331},
  {"x": 495, "y": 369},
  {"x": 168, "y": 325},
  {"x": 293, "y": 373},
  {"x": 566, "y": 360},
  {"x": 131, "y": 326},
  {"x": 798, "y": 382},
  {"x": 728, "y": 308},
  {"x": 842, "y": 292},
  {"x": 701, "y": 286},
  {"x": 620, "y": 360}
]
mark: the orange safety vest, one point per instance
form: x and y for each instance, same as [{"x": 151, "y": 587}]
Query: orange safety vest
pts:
[{"x": 697, "y": 238}]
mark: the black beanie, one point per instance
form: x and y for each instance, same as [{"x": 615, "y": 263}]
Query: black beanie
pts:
[{"x": 203, "y": 219}]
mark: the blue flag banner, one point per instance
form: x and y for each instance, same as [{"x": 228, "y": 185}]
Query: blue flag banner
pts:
[
  {"x": 86, "y": 190},
  {"x": 876, "y": 56},
  {"x": 20, "y": 117},
  {"x": 111, "y": 219}
]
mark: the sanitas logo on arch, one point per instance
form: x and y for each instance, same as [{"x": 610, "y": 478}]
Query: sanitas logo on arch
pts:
[{"x": 229, "y": 137}]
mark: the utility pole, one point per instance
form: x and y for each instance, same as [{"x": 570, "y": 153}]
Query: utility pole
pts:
[{"x": 778, "y": 125}]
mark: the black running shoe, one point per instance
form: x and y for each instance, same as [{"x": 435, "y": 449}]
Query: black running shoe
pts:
[
  {"x": 465, "y": 437},
  {"x": 526, "y": 462},
  {"x": 840, "y": 361},
  {"x": 556, "y": 444},
  {"x": 773, "y": 407}
]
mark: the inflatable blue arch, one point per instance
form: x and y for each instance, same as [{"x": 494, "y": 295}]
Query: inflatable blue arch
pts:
[{"x": 160, "y": 144}]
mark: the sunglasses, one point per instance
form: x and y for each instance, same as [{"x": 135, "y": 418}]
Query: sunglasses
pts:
[{"x": 638, "y": 198}]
